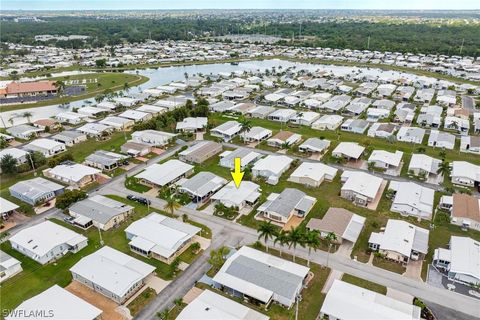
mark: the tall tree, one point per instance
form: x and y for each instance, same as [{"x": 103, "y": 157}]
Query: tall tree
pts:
[
  {"x": 172, "y": 204},
  {"x": 296, "y": 236},
  {"x": 312, "y": 240},
  {"x": 8, "y": 164},
  {"x": 266, "y": 231},
  {"x": 331, "y": 238},
  {"x": 282, "y": 239},
  {"x": 444, "y": 168}
]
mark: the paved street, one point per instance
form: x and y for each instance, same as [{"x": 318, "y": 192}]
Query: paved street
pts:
[{"x": 228, "y": 233}]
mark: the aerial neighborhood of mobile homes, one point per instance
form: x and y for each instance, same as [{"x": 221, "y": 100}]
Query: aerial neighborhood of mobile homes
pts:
[{"x": 262, "y": 188}]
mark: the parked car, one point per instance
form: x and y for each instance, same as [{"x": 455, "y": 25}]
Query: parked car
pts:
[{"x": 141, "y": 200}]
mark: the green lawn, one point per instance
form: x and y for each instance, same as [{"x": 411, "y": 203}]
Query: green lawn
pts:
[
  {"x": 105, "y": 82},
  {"x": 388, "y": 265},
  {"x": 141, "y": 301},
  {"x": 36, "y": 278},
  {"x": 132, "y": 183},
  {"x": 364, "y": 283}
]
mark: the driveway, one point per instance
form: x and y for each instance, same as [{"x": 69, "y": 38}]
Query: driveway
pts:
[{"x": 414, "y": 270}]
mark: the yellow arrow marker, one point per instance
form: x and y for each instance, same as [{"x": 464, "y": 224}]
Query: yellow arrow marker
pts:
[{"x": 237, "y": 175}]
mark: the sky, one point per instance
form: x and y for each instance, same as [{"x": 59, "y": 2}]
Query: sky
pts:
[{"x": 235, "y": 4}]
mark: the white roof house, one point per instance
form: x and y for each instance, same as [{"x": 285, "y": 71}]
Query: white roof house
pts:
[
  {"x": 231, "y": 196},
  {"x": 423, "y": 163},
  {"x": 256, "y": 134},
  {"x": 47, "y": 147},
  {"x": 92, "y": 111},
  {"x": 201, "y": 186},
  {"x": 72, "y": 174},
  {"x": 155, "y": 110},
  {"x": 461, "y": 260},
  {"x": 348, "y": 301},
  {"x": 441, "y": 139},
  {"x": 118, "y": 123},
  {"x": 20, "y": 155},
  {"x": 152, "y": 137},
  {"x": 412, "y": 199},
  {"x": 282, "y": 115},
  {"x": 70, "y": 117},
  {"x": 400, "y": 241},
  {"x": 165, "y": 173},
  {"x": 209, "y": 305},
  {"x": 360, "y": 187},
  {"x": 312, "y": 174},
  {"x": 385, "y": 159},
  {"x": 262, "y": 276},
  {"x": 314, "y": 145},
  {"x": 112, "y": 273},
  {"x": 159, "y": 236},
  {"x": 247, "y": 156},
  {"x": 465, "y": 173},
  {"x": 305, "y": 118},
  {"x": 411, "y": 134},
  {"x": 226, "y": 130},
  {"x": 95, "y": 129},
  {"x": 46, "y": 241},
  {"x": 135, "y": 115},
  {"x": 272, "y": 167},
  {"x": 328, "y": 122},
  {"x": 192, "y": 124},
  {"x": 57, "y": 304},
  {"x": 351, "y": 150},
  {"x": 7, "y": 206}
]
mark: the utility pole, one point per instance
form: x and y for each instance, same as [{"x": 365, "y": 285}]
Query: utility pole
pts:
[
  {"x": 461, "y": 47},
  {"x": 368, "y": 43},
  {"x": 296, "y": 308},
  {"x": 33, "y": 165},
  {"x": 100, "y": 235}
]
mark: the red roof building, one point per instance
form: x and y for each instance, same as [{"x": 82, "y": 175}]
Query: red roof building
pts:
[{"x": 30, "y": 88}]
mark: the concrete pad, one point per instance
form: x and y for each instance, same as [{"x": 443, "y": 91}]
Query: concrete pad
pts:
[
  {"x": 253, "y": 144},
  {"x": 209, "y": 209},
  {"x": 334, "y": 274},
  {"x": 46, "y": 206},
  {"x": 294, "y": 222},
  {"x": 108, "y": 307},
  {"x": 204, "y": 242},
  {"x": 153, "y": 192},
  {"x": 399, "y": 295},
  {"x": 414, "y": 270},
  {"x": 374, "y": 204},
  {"x": 156, "y": 283},
  {"x": 345, "y": 249},
  {"x": 158, "y": 151},
  {"x": 141, "y": 159},
  {"x": 192, "y": 294},
  {"x": 199, "y": 136}
]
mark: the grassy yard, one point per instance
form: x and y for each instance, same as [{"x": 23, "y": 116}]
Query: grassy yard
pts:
[
  {"x": 364, "y": 284},
  {"x": 188, "y": 256},
  {"x": 388, "y": 265},
  {"x": 36, "y": 278},
  {"x": 141, "y": 301},
  {"x": 105, "y": 82},
  {"x": 132, "y": 183}
]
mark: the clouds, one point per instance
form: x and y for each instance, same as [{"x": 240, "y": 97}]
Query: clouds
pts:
[{"x": 245, "y": 4}]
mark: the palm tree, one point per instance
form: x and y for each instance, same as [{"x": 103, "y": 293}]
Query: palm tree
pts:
[
  {"x": 267, "y": 231},
  {"x": 442, "y": 153},
  {"x": 312, "y": 240},
  {"x": 172, "y": 204},
  {"x": 296, "y": 236},
  {"x": 60, "y": 85},
  {"x": 371, "y": 165},
  {"x": 454, "y": 125},
  {"x": 28, "y": 115},
  {"x": 245, "y": 124},
  {"x": 285, "y": 145},
  {"x": 282, "y": 238},
  {"x": 444, "y": 168},
  {"x": 331, "y": 237}
]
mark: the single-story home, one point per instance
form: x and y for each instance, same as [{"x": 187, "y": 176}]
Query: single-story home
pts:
[
  {"x": 256, "y": 134},
  {"x": 112, "y": 273},
  {"x": 164, "y": 174},
  {"x": 227, "y": 130},
  {"x": 359, "y": 187},
  {"x": 400, "y": 241},
  {"x": 160, "y": 237},
  {"x": 35, "y": 191},
  {"x": 192, "y": 124},
  {"x": 74, "y": 174},
  {"x": 201, "y": 186},
  {"x": 281, "y": 207},
  {"x": 135, "y": 149},
  {"x": 153, "y": 137},
  {"x": 271, "y": 167},
  {"x": 261, "y": 277},
  {"x": 348, "y": 150},
  {"x": 70, "y": 138},
  {"x": 9, "y": 266},
  {"x": 247, "y": 157},
  {"x": 412, "y": 199},
  {"x": 104, "y": 160},
  {"x": 284, "y": 138},
  {"x": 465, "y": 174},
  {"x": 47, "y": 241},
  {"x": 328, "y": 122},
  {"x": 345, "y": 224},
  {"x": 99, "y": 211},
  {"x": 314, "y": 145},
  {"x": 200, "y": 152},
  {"x": 312, "y": 174},
  {"x": 230, "y": 196}
]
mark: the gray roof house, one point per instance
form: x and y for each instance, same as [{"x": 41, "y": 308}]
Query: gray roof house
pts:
[
  {"x": 314, "y": 145},
  {"x": 69, "y": 138},
  {"x": 23, "y": 131},
  {"x": 36, "y": 190},
  {"x": 99, "y": 211},
  {"x": 200, "y": 151},
  {"x": 201, "y": 186},
  {"x": 280, "y": 208},
  {"x": 355, "y": 125}
]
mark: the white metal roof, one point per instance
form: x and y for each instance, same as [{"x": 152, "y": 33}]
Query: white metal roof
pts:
[
  {"x": 465, "y": 256},
  {"x": 390, "y": 158},
  {"x": 74, "y": 172},
  {"x": 163, "y": 174},
  {"x": 231, "y": 196},
  {"x": 43, "y": 237},
  {"x": 57, "y": 304},
  {"x": 6, "y": 206},
  {"x": 361, "y": 183},
  {"x": 166, "y": 235},
  {"x": 113, "y": 270},
  {"x": 314, "y": 170},
  {"x": 349, "y": 149},
  {"x": 273, "y": 163},
  {"x": 347, "y": 301},
  {"x": 209, "y": 305}
]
